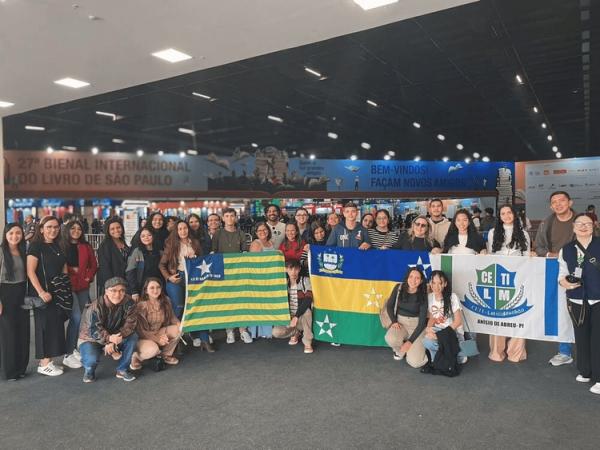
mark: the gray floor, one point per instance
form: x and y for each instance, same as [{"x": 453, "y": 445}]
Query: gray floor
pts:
[{"x": 269, "y": 395}]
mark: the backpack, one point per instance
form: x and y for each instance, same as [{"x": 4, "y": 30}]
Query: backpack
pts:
[{"x": 445, "y": 361}]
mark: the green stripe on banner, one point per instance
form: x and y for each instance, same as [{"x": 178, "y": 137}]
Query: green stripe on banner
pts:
[
  {"x": 255, "y": 276},
  {"x": 252, "y": 265},
  {"x": 225, "y": 289},
  {"x": 447, "y": 265},
  {"x": 192, "y": 303},
  {"x": 348, "y": 328},
  {"x": 238, "y": 312}
]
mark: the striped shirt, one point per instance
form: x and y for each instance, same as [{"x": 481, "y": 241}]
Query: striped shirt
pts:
[{"x": 382, "y": 239}]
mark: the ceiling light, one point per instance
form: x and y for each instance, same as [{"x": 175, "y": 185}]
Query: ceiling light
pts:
[
  {"x": 107, "y": 114},
  {"x": 301, "y": 155},
  {"x": 485, "y": 159},
  {"x": 118, "y": 141},
  {"x": 69, "y": 148},
  {"x": 544, "y": 126},
  {"x": 370, "y": 4},
  {"x": 387, "y": 157},
  {"x": 559, "y": 155},
  {"x": 460, "y": 146},
  {"x": 182, "y": 154},
  {"x": 416, "y": 125},
  {"x": 254, "y": 145},
  {"x": 187, "y": 131},
  {"x": 476, "y": 155},
  {"x": 160, "y": 153},
  {"x": 171, "y": 55},
  {"x": 365, "y": 145},
  {"x": 441, "y": 137},
  {"x": 445, "y": 159},
  {"x": 372, "y": 103},
  {"x": 549, "y": 137},
  {"x": 72, "y": 83},
  {"x": 49, "y": 150},
  {"x": 535, "y": 110},
  {"x": 353, "y": 157},
  {"x": 204, "y": 96},
  {"x": 34, "y": 128},
  {"x": 95, "y": 150},
  {"x": 192, "y": 152},
  {"x": 392, "y": 153},
  {"x": 417, "y": 158},
  {"x": 294, "y": 152},
  {"x": 467, "y": 160},
  {"x": 140, "y": 152},
  {"x": 313, "y": 72},
  {"x": 4, "y": 104},
  {"x": 275, "y": 118},
  {"x": 332, "y": 135},
  {"x": 312, "y": 156},
  {"x": 519, "y": 79},
  {"x": 554, "y": 148}
]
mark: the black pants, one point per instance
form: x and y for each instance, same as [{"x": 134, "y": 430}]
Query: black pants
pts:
[
  {"x": 587, "y": 341},
  {"x": 14, "y": 331}
]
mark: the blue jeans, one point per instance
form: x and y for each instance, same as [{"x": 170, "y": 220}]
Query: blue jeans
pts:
[
  {"x": 433, "y": 346},
  {"x": 91, "y": 351},
  {"x": 565, "y": 348},
  {"x": 176, "y": 293},
  {"x": 80, "y": 299}
]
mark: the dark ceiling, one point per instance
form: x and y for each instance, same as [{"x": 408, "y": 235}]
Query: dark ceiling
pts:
[{"x": 452, "y": 71}]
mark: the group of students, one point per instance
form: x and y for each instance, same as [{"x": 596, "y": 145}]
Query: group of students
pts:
[{"x": 142, "y": 287}]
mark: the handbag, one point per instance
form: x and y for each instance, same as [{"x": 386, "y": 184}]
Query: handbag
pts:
[
  {"x": 35, "y": 301},
  {"x": 468, "y": 347},
  {"x": 384, "y": 317}
]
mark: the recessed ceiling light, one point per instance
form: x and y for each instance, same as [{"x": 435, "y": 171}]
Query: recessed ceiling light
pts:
[
  {"x": 182, "y": 154},
  {"x": 171, "y": 55},
  {"x": 72, "y": 83},
  {"x": 187, "y": 131},
  {"x": 301, "y": 155},
  {"x": 459, "y": 146},
  {"x": 160, "y": 153},
  {"x": 544, "y": 126},
  {"x": 49, "y": 150},
  {"x": 118, "y": 141},
  {"x": 535, "y": 109},
  {"x": 365, "y": 145},
  {"x": 392, "y": 153},
  {"x": 519, "y": 79},
  {"x": 372, "y": 103},
  {"x": 387, "y": 157},
  {"x": 192, "y": 152},
  {"x": 554, "y": 148},
  {"x": 95, "y": 150},
  {"x": 254, "y": 145},
  {"x": 332, "y": 135},
  {"x": 69, "y": 148},
  {"x": 113, "y": 116},
  {"x": 416, "y": 125},
  {"x": 370, "y": 4},
  {"x": 34, "y": 128},
  {"x": 445, "y": 159},
  {"x": 417, "y": 158},
  {"x": 313, "y": 72},
  {"x": 476, "y": 155},
  {"x": 312, "y": 156},
  {"x": 353, "y": 157},
  {"x": 441, "y": 137},
  {"x": 467, "y": 160},
  {"x": 140, "y": 152},
  {"x": 4, "y": 104},
  {"x": 559, "y": 155},
  {"x": 485, "y": 159},
  {"x": 275, "y": 118},
  {"x": 204, "y": 96},
  {"x": 549, "y": 137}
]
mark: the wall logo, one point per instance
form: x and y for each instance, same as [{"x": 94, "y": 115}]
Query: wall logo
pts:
[
  {"x": 495, "y": 294},
  {"x": 330, "y": 263}
]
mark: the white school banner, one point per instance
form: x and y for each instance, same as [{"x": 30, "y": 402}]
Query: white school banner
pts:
[{"x": 515, "y": 296}]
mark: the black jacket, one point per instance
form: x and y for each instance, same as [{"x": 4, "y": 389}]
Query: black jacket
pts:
[
  {"x": 445, "y": 362},
  {"x": 111, "y": 262}
]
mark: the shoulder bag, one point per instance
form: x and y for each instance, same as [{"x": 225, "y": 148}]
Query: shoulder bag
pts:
[
  {"x": 384, "y": 317},
  {"x": 35, "y": 301},
  {"x": 468, "y": 347}
]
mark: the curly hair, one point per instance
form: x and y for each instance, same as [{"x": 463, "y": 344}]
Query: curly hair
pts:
[{"x": 518, "y": 240}]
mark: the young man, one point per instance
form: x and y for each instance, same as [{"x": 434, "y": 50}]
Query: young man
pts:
[
  {"x": 489, "y": 221},
  {"x": 438, "y": 224},
  {"x": 231, "y": 240},
  {"x": 554, "y": 233},
  {"x": 213, "y": 223},
  {"x": 350, "y": 234},
  {"x": 302, "y": 222},
  {"x": 108, "y": 326},
  {"x": 273, "y": 216}
]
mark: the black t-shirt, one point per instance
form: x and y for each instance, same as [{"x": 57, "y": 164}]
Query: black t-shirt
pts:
[
  {"x": 51, "y": 260},
  {"x": 417, "y": 244},
  {"x": 72, "y": 255}
]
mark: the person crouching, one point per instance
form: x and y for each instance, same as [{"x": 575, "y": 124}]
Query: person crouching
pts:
[{"x": 108, "y": 325}]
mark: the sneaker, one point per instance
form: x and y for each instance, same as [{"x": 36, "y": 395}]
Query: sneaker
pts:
[
  {"x": 582, "y": 379},
  {"x": 171, "y": 360},
  {"x": 293, "y": 340},
  {"x": 595, "y": 389},
  {"x": 50, "y": 370},
  {"x": 89, "y": 376},
  {"x": 197, "y": 342},
  {"x": 335, "y": 344},
  {"x": 308, "y": 349},
  {"x": 71, "y": 361},
  {"x": 125, "y": 375},
  {"x": 462, "y": 359},
  {"x": 559, "y": 359},
  {"x": 136, "y": 363},
  {"x": 210, "y": 339},
  {"x": 76, "y": 354},
  {"x": 398, "y": 357},
  {"x": 230, "y": 337},
  {"x": 246, "y": 337}
]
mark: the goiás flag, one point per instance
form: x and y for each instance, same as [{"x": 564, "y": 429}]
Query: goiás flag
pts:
[
  {"x": 235, "y": 290},
  {"x": 350, "y": 287}
]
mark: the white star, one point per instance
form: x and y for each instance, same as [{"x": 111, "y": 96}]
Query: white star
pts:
[
  {"x": 205, "y": 268},
  {"x": 373, "y": 297},
  {"x": 420, "y": 265},
  {"x": 326, "y": 322}
]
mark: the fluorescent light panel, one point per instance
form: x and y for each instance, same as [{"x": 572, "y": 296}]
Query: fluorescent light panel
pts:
[
  {"x": 34, "y": 128},
  {"x": 171, "y": 55},
  {"x": 313, "y": 72},
  {"x": 192, "y": 152},
  {"x": 5, "y": 104},
  {"x": 275, "y": 118},
  {"x": 370, "y": 4},
  {"x": 187, "y": 131},
  {"x": 204, "y": 96},
  {"x": 372, "y": 103},
  {"x": 72, "y": 83},
  {"x": 332, "y": 135},
  {"x": 118, "y": 141},
  {"x": 69, "y": 148}
]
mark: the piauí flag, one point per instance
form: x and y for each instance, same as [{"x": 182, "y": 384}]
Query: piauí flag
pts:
[
  {"x": 235, "y": 290},
  {"x": 516, "y": 296},
  {"x": 350, "y": 287}
]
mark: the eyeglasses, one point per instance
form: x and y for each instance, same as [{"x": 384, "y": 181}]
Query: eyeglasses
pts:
[
  {"x": 301, "y": 215},
  {"x": 583, "y": 224},
  {"x": 420, "y": 224}
]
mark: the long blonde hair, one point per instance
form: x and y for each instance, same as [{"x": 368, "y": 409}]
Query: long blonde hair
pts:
[{"x": 428, "y": 237}]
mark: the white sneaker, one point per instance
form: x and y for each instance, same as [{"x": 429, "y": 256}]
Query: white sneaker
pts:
[
  {"x": 559, "y": 359},
  {"x": 77, "y": 355},
  {"x": 582, "y": 379},
  {"x": 197, "y": 342},
  {"x": 246, "y": 337},
  {"x": 230, "y": 337},
  {"x": 335, "y": 344},
  {"x": 595, "y": 389},
  {"x": 462, "y": 359},
  {"x": 71, "y": 361},
  {"x": 50, "y": 370},
  {"x": 397, "y": 357},
  {"x": 210, "y": 339}
]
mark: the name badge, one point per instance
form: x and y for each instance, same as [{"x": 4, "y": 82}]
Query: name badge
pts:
[{"x": 578, "y": 272}]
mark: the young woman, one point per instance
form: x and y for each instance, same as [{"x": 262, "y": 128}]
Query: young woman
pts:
[
  {"x": 579, "y": 274},
  {"x": 46, "y": 260},
  {"x": 407, "y": 309},
  {"x": 14, "y": 320},
  {"x": 112, "y": 253},
  {"x": 332, "y": 220},
  {"x": 179, "y": 246},
  {"x": 292, "y": 246},
  {"x": 381, "y": 236},
  {"x": 82, "y": 267},
  {"x": 142, "y": 264},
  {"x": 462, "y": 237},
  {"x": 157, "y": 327},
  {"x": 317, "y": 236},
  {"x": 508, "y": 236},
  {"x": 368, "y": 221},
  {"x": 196, "y": 228},
  {"x": 419, "y": 237},
  {"x": 157, "y": 224},
  {"x": 261, "y": 243},
  {"x": 300, "y": 299},
  {"x": 444, "y": 311}
]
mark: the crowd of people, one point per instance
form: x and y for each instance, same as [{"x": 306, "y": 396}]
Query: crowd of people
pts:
[{"x": 135, "y": 318}]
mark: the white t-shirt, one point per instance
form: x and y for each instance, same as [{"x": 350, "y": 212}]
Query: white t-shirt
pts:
[
  {"x": 461, "y": 248},
  {"x": 277, "y": 234},
  {"x": 505, "y": 250},
  {"x": 436, "y": 310}
]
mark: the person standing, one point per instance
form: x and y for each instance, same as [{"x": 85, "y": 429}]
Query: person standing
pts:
[
  {"x": 157, "y": 224},
  {"x": 293, "y": 245},
  {"x": 439, "y": 224},
  {"x": 350, "y": 234},
  {"x": 46, "y": 260},
  {"x": 463, "y": 237},
  {"x": 488, "y": 221},
  {"x": 14, "y": 320},
  {"x": 302, "y": 222},
  {"x": 418, "y": 238},
  {"x": 29, "y": 227},
  {"x": 273, "y": 216},
  {"x": 381, "y": 236},
  {"x": 112, "y": 253},
  {"x": 143, "y": 263},
  {"x": 261, "y": 243},
  {"x": 554, "y": 232}
]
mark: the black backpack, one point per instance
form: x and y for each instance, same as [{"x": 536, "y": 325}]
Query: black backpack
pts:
[{"x": 445, "y": 361}]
